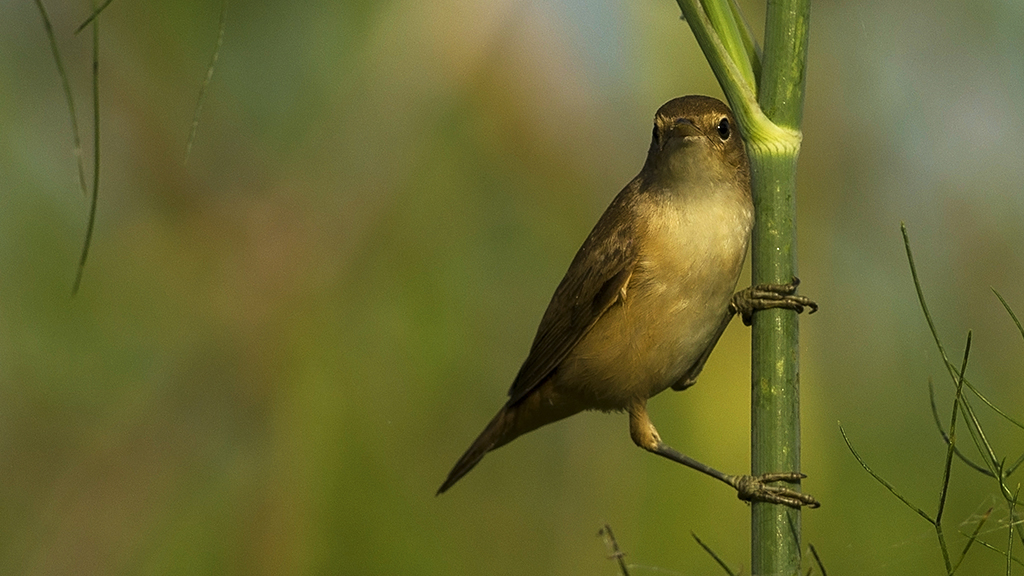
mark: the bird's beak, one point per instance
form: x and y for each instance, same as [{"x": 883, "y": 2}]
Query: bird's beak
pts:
[{"x": 685, "y": 128}]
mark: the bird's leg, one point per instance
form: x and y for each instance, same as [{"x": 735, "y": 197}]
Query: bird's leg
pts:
[
  {"x": 749, "y": 488},
  {"x": 764, "y": 296}
]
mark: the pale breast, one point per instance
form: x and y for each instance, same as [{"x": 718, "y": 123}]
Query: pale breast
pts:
[{"x": 672, "y": 307}]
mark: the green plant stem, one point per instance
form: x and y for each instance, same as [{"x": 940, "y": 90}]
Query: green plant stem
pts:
[
  {"x": 775, "y": 373},
  {"x": 775, "y": 384},
  {"x": 95, "y": 151},
  {"x": 758, "y": 129},
  {"x": 769, "y": 115},
  {"x": 728, "y": 21}
]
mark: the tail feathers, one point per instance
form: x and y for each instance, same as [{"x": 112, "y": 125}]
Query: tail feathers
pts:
[{"x": 492, "y": 437}]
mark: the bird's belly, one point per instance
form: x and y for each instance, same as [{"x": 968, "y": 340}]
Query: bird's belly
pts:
[
  {"x": 648, "y": 341},
  {"x": 671, "y": 312}
]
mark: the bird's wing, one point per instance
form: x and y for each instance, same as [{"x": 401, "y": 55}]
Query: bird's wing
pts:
[{"x": 595, "y": 281}]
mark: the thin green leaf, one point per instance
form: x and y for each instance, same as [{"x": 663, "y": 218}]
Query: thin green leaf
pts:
[
  {"x": 972, "y": 538},
  {"x": 206, "y": 81},
  {"x": 613, "y": 548},
  {"x": 96, "y": 153},
  {"x": 980, "y": 440},
  {"x": 713, "y": 555},
  {"x": 1015, "y": 520},
  {"x": 945, "y": 437},
  {"x": 924, "y": 305},
  {"x": 749, "y": 44},
  {"x": 95, "y": 14},
  {"x": 817, "y": 560},
  {"x": 1009, "y": 533},
  {"x": 935, "y": 333},
  {"x": 943, "y": 548},
  {"x": 952, "y": 432},
  {"x": 1010, "y": 500},
  {"x": 882, "y": 481},
  {"x": 67, "y": 95},
  {"x": 1013, "y": 468},
  {"x": 992, "y": 406},
  {"x": 723, "y": 19},
  {"x": 1000, "y": 552},
  {"x": 1010, "y": 312}
]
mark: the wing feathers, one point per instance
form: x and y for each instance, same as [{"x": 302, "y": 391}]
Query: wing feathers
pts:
[{"x": 595, "y": 281}]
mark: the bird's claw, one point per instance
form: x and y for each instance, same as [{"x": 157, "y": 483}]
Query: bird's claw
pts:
[
  {"x": 756, "y": 489},
  {"x": 765, "y": 296}
]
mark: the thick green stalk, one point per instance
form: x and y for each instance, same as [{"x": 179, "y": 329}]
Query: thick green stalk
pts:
[
  {"x": 775, "y": 374},
  {"x": 769, "y": 115},
  {"x": 775, "y": 382}
]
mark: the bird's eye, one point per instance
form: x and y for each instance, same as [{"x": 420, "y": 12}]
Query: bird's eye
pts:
[
  {"x": 654, "y": 134},
  {"x": 723, "y": 128}
]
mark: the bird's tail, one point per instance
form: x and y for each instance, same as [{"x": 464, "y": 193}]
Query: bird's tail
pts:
[{"x": 494, "y": 435}]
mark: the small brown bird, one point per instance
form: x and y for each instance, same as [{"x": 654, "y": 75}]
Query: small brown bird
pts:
[{"x": 648, "y": 295}]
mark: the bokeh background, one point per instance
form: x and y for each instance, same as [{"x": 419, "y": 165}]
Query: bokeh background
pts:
[{"x": 281, "y": 347}]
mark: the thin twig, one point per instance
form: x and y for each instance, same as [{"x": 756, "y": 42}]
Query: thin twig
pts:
[
  {"x": 1014, "y": 521},
  {"x": 1010, "y": 312},
  {"x": 713, "y": 555},
  {"x": 952, "y": 433},
  {"x": 949, "y": 459},
  {"x": 1013, "y": 468},
  {"x": 973, "y": 538},
  {"x": 613, "y": 547},
  {"x": 95, "y": 153},
  {"x": 95, "y": 14},
  {"x": 935, "y": 333},
  {"x": 992, "y": 406},
  {"x": 1009, "y": 533},
  {"x": 945, "y": 437},
  {"x": 883, "y": 481},
  {"x": 920, "y": 299},
  {"x": 817, "y": 560},
  {"x": 206, "y": 81},
  {"x": 980, "y": 440},
  {"x": 67, "y": 96},
  {"x": 1000, "y": 552}
]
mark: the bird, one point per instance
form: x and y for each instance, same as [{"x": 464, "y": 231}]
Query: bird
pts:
[{"x": 649, "y": 294}]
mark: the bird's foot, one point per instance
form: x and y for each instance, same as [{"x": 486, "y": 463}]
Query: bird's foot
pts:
[
  {"x": 756, "y": 489},
  {"x": 765, "y": 296}
]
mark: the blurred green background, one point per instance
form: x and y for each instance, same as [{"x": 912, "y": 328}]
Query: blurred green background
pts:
[{"x": 281, "y": 347}]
